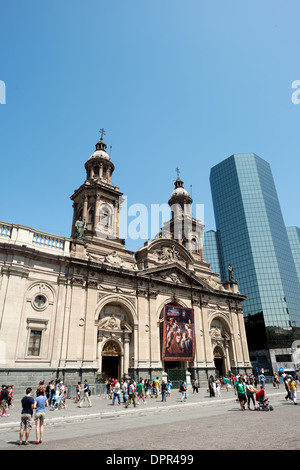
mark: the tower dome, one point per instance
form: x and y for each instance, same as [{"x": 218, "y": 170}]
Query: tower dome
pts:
[
  {"x": 99, "y": 166},
  {"x": 180, "y": 194},
  {"x": 100, "y": 151}
]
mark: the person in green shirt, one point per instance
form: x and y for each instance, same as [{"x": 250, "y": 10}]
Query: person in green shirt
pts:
[
  {"x": 241, "y": 391},
  {"x": 226, "y": 383},
  {"x": 140, "y": 392}
]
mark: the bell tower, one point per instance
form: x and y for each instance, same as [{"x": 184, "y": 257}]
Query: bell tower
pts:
[
  {"x": 96, "y": 203},
  {"x": 183, "y": 227}
]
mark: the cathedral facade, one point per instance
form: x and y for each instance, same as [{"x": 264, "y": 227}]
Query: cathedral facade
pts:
[{"x": 86, "y": 307}]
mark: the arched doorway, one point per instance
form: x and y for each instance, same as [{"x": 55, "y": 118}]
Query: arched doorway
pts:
[
  {"x": 219, "y": 361},
  {"x": 115, "y": 327},
  {"x": 111, "y": 360}
]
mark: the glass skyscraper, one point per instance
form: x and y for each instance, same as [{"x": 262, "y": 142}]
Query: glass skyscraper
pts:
[
  {"x": 294, "y": 238},
  {"x": 252, "y": 237}
]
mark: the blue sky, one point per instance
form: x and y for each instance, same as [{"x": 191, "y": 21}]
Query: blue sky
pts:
[{"x": 174, "y": 83}]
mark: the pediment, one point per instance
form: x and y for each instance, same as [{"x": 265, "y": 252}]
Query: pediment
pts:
[
  {"x": 176, "y": 274},
  {"x": 164, "y": 251}
]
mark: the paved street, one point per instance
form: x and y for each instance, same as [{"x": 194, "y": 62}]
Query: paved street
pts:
[{"x": 200, "y": 423}]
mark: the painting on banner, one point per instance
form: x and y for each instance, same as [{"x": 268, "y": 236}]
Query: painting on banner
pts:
[{"x": 179, "y": 331}]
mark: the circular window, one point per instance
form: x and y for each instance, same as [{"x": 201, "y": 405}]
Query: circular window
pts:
[{"x": 40, "y": 301}]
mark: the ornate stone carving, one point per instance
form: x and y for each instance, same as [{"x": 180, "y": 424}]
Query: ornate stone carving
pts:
[
  {"x": 78, "y": 281},
  {"x": 111, "y": 349},
  {"x": 114, "y": 324},
  {"x": 173, "y": 277},
  {"x": 113, "y": 259},
  {"x": 167, "y": 254}
]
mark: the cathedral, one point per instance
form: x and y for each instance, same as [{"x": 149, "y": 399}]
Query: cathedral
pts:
[{"x": 86, "y": 307}]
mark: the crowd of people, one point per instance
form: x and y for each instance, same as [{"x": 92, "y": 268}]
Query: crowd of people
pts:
[
  {"x": 54, "y": 396},
  {"x": 249, "y": 390},
  {"x": 132, "y": 391}
]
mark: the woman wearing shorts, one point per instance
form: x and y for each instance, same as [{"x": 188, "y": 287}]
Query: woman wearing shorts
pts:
[
  {"x": 241, "y": 391},
  {"x": 40, "y": 404}
]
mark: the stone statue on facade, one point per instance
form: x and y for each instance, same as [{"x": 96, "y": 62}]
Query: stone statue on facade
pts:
[
  {"x": 79, "y": 227},
  {"x": 230, "y": 272}
]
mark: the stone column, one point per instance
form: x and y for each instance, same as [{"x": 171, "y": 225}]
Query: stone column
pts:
[
  {"x": 155, "y": 347},
  {"x": 85, "y": 209},
  {"x": 126, "y": 355},
  {"x": 97, "y": 211},
  {"x": 90, "y": 329},
  {"x": 206, "y": 336}
]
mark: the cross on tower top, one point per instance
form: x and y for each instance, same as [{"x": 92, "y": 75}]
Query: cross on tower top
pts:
[
  {"x": 177, "y": 171},
  {"x": 102, "y": 132}
]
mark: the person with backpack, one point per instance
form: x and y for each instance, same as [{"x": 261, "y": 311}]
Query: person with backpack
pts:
[
  {"x": 163, "y": 389},
  {"x": 4, "y": 396},
  {"x": 183, "y": 390}
]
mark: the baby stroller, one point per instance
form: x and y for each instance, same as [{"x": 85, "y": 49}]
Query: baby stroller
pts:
[{"x": 263, "y": 402}]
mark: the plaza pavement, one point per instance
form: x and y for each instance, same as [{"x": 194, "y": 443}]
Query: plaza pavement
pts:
[{"x": 103, "y": 408}]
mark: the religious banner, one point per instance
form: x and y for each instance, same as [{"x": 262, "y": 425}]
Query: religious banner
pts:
[{"x": 179, "y": 329}]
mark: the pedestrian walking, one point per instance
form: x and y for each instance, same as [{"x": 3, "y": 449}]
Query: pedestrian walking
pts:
[
  {"x": 78, "y": 392},
  {"x": 10, "y": 396},
  {"x": 116, "y": 391},
  {"x": 211, "y": 386},
  {"x": 183, "y": 390},
  {"x": 195, "y": 385},
  {"x": 157, "y": 387},
  {"x": 51, "y": 392},
  {"x": 286, "y": 384},
  {"x": 163, "y": 389},
  {"x": 262, "y": 379},
  {"x": 140, "y": 392},
  {"x": 86, "y": 394},
  {"x": 293, "y": 389},
  {"x": 218, "y": 387},
  {"x": 124, "y": 388},
  {"x": 41, "y": 402},
  {"x": 26, "y": 416},
  {"x": 169, "y": 388},
  {"x": 226, "y": 383},
  {"x": 146, "y": 387},
  {"x": 4, "y": 397},
  {"x": 131, "y": 395},
  {"x": 250, "y": 390},
  {"x": 276, "y": 381},
  {"x": 59, "y": 396},
  {"x": 241, "y": 392}
]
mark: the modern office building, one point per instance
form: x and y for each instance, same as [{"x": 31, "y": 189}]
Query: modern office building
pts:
[
  {"x": 251, "y": 237},
  {"x": 294, "y": 238}
]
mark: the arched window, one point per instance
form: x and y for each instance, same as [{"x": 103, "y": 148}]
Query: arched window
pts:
[
  {"x": 105, "y": 218},
  {"x": 91, "y": 215}
]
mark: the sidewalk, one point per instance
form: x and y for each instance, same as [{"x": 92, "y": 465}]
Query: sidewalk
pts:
[{"x": 103, "y": 408}]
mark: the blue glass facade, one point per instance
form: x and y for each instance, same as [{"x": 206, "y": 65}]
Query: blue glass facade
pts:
[
  {"x": 211, "y": 251},
  {"x": 294, "y": 239},
  {"x": 252, "y": 237}
]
